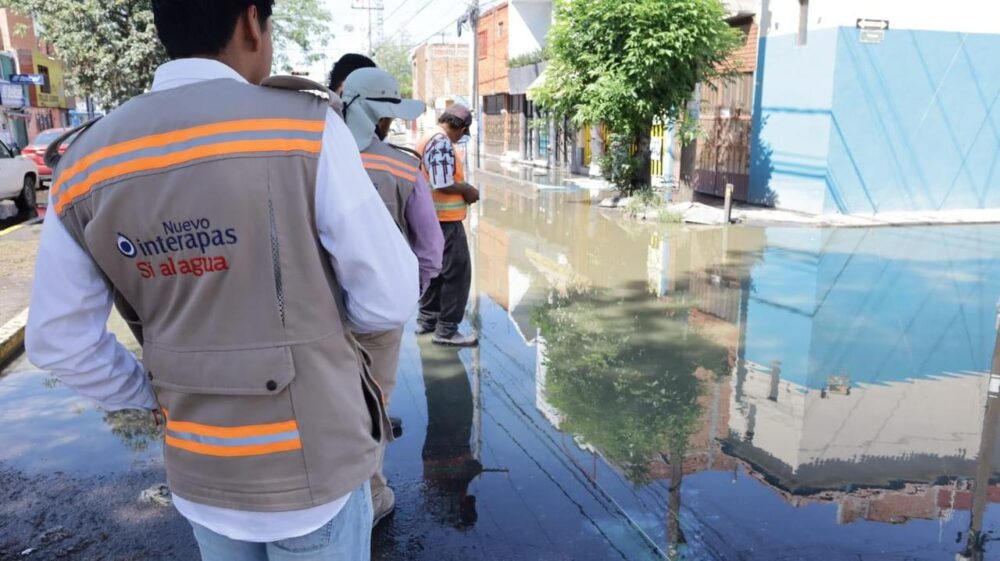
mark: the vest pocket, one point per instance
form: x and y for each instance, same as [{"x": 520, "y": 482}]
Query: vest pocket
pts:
[
  {"x": 265, "y": 371},
  {"x": 227, "y": 404}
]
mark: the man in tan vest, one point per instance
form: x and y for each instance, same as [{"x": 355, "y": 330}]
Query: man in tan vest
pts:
[
  {"x": 371, "y": 103},
  {"x": 235, "y": 228}
]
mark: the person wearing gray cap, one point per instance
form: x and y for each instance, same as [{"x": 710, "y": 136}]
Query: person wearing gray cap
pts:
[
  {"x": 371, "y": 103},
  {"x": 442, "y": 306}
]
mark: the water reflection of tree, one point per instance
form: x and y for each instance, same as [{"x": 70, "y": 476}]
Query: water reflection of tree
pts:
[
  {"x": 136, "y": 429},
  {"x": 622, "y": 373}
]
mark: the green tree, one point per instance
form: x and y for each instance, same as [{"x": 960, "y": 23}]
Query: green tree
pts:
[
  {"x": 111, "y": 50},
  {"x": 393, "y": 56},
  {"x": 625, "y": 63}
]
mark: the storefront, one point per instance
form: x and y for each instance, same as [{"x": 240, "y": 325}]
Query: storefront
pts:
[
  {"x": 13, "y": 100},
  {"x": 50, "y": 104},
  {"x": 13, "y": 129}
]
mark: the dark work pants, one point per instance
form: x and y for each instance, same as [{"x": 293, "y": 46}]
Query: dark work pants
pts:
[{"x": 443, "y": 305}]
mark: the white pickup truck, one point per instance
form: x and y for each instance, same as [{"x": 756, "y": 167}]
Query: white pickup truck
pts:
[{"x": 18, "y": 179}]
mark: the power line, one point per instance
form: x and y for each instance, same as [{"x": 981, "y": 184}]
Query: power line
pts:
[{"x": 398, "y": 8}]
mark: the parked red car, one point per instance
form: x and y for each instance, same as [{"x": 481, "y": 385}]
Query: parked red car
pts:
[{"x": 36, "y": 151}]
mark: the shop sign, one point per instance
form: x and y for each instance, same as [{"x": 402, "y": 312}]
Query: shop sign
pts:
[
  {"x": 11, "y": 95},
  {"x": 33, "y": 79}
]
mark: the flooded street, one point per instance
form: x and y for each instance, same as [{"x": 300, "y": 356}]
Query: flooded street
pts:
[{"x": 641, "y": 392}]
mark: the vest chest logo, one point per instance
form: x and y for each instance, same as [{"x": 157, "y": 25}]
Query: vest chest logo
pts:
[
  {"x": 168, "y": 254},
  {"x": 126, "y": 247}
]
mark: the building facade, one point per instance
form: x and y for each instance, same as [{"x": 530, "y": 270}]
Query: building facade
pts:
[
  {"x": 865, "y": 109},
  {"x": 493, "y": 38},
  {"x": 39, "y": 107},
  {"x": 440, "y": 78}
]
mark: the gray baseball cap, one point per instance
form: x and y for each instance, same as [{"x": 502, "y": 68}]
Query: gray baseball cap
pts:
[{"x": 371, "y": 94}]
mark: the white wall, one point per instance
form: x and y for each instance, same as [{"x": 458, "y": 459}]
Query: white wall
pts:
[
  {"x": 968, "y": 16},
  {"x": 529, "y": 26}
]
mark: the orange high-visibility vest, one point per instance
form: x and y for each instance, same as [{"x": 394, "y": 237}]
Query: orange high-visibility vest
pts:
[{"x": 450, "y": 208}]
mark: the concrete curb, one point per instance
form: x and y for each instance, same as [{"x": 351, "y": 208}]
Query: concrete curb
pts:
[{"x": 12, "y": 337}]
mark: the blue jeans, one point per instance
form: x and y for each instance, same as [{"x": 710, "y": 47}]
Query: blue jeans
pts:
[{"x": 345, "y": 538}]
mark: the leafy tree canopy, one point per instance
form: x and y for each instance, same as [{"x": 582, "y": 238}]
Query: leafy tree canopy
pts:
[
  {"x": 625, "y": 63},
  {"x": 393, "y": 56},
  {"x": 111, "y": 50}
]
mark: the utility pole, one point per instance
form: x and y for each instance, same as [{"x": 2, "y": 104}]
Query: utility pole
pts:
[
  {"x": 975, "y": 547},
  {"x": 471, "y": 17},
  {"x": 476, "y": 109},
  {"x": 376, "y": 19}
]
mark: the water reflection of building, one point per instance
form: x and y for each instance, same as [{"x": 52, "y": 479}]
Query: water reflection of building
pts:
[{"x": 867, "y": 357}]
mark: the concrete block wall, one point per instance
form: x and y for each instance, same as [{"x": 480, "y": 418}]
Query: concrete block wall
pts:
[{"x": 908, "y": 123}]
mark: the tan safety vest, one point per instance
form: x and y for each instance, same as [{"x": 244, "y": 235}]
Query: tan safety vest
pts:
[
  {"x": 394, "y": 175},
  {"x": 198, "y": 204},
  {"x": 450, "y": 208}
]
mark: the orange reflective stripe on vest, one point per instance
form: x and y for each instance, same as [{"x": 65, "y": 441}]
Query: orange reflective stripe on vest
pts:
[
  {"x": 450, "y": 208},
  {"x": 248, "y": 440},
  {"x": 183, "y": 146},
  {"x": 395, "y": 167}
]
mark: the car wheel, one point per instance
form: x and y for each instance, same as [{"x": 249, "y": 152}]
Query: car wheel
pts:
[{"x": 27, "y": 202}]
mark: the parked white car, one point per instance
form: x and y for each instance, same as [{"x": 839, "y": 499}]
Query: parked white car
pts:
[{"x": 18, "y": 179}]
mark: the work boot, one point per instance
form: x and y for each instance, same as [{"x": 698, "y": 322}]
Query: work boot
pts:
[
  {"x": 456, "y": 340},
  {"x": 383, "y": 504}
]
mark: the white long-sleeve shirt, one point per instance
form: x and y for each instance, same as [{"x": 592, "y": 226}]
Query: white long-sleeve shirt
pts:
[{"x": 71, "y": 300}]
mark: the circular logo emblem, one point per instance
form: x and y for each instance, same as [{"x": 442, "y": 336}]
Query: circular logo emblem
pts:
[{"x": 126, "y": 247}]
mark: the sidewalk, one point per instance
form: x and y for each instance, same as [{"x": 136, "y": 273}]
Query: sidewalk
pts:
[
  {"x": 701, "y": 213},
  {"x": 537, "y": 175},
  {"x": 712, "y": 214},
  {"x": 18, "y": 248}
]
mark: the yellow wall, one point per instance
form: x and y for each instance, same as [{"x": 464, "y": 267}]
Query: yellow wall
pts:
[{"x": 56, "y": 86}]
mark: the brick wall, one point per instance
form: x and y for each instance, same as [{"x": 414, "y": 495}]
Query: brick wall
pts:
[
  {"x": 494, "y": 31},
  {"x": 10, "y": 24},
  {"x": 439, "y": 70},
  {"x": 745, "y": 58}
]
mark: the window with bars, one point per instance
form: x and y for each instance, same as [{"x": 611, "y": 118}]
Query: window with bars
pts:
[{"x": 494, "y": 104}]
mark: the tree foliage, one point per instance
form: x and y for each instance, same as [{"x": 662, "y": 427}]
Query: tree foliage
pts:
[
  {"x": 111, "y": 50},
  {"x": 393, "y": 56},
  {"x": 625, "y": 63}
]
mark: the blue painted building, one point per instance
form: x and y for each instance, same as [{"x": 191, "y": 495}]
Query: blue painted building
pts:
[{"x": 874, "y": 120}]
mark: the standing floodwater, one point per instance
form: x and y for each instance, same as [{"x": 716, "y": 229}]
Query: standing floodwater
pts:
[{"x": 641, "y": 392}]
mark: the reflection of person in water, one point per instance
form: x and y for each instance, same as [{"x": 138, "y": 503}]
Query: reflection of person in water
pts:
[{"x": 449, "y": 466}]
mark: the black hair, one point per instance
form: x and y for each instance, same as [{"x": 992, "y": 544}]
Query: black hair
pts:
[
  {"x": 347, "y": 64},
  {"x": 190, "y": 28},
  {"x": 453, "y": 121}
]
